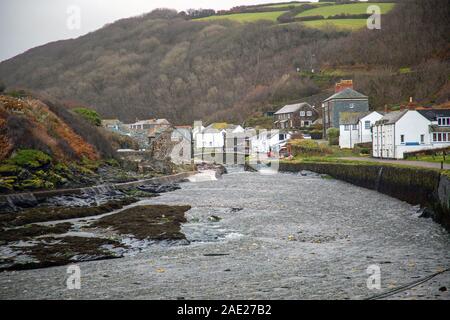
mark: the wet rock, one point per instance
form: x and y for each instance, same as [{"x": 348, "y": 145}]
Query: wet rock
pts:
[
  {"x": 216, "y": 254},
  {"x": 159, "y": 188},
  {"x": 51, "y": 251},
  {"x": 214, "y": 218},
  {"x": 234, "y": 210},
  {"x": 33, "y": 230},
  {"x": 427, "y": 213},
  {"x": 24, "y": 201},
  {"x": 42, "y": 214},
  {"x": 157, "y": 222},
  {"x": 6, "y": 207},
  {"x": 443, "y": 289}
]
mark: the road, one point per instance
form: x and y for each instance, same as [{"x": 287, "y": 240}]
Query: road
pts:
[{"x": 282, "y": 236}]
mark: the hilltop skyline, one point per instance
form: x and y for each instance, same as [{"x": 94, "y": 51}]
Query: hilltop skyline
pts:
[{"x": 26, "y": 24}]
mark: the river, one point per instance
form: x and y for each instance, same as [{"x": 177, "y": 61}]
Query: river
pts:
[{"x": 283, "y": 236}]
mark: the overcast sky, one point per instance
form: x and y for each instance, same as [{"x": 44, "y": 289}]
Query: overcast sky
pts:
[{"x": 25, "y": 24}]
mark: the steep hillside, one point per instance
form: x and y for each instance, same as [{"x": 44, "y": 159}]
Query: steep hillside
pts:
[
  {"x": 44, "y": 146},
  {"x": 165, "y": 65}
]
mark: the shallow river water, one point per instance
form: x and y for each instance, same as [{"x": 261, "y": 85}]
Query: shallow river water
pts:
[{"x": 282, "y": 236}]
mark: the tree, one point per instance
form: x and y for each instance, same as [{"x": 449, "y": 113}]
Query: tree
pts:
[
  {"x": 90, "y": 115},
  {"x": 333, "y": 136}
]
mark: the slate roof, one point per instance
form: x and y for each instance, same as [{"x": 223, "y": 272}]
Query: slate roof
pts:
[
  {"x": 392, "y": 117},
  {"x": 433, "y": 114},
  {"x": 347, "y": 94},
  {"x": 219, "y": 126},
  {"x": 292, "y": 108},
  {"x": 351, "y": 117}
]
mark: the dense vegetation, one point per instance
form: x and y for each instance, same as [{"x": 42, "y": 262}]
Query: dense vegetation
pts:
[
  {"x": 43, "y": 145},
  {"x": 165, "y": 65}
]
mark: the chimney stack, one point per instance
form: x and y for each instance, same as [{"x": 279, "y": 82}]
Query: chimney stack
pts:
[
  {"x": 342, "y": 85},
  {"x": 412, "y": 105},
  {"x": 385, "y": 108}
]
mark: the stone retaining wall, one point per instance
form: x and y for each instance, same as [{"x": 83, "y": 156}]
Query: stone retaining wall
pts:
[{"x": 123, "y": 186}]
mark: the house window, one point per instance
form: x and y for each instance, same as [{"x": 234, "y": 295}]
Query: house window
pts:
[
  {"x": 309, "y": 113},
  {"x": 367, "y": 125},
  {"x": 422, "y": 138},
  {"x": 302, "y": 113},
  {"x": 434, "y": 137},
  {"x": 439, "y": 137},
  {"x": 347, "y": 127},
  {"x": 281, "y": 137},
  {"x": 402, "y": 138},
  {"x": 444, "y": 121},
  {"x": 444, "y": 137},
  {"x": 355, "y": 127}
]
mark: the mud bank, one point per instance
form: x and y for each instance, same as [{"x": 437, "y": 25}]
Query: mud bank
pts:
[
  {"x": 113, "y": 236},
  {"x": 418, "y": 186}
]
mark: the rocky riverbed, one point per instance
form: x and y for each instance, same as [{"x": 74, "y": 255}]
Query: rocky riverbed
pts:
[
  {"x": 253, "y": 236},
  {"x": 88, "y": 226}
]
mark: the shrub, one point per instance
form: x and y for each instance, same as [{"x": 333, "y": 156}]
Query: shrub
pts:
[
  {"x": 333, "y": 136},
  {"x": 302, "y": 147},
  {"x": 29, "y": 158},
  {"x": 90, "y": 115},
  {"x": 17, "y": 94}
]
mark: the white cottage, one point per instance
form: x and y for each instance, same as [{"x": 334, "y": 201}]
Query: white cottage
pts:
[
  {"x": 264, "y": 141},
  {"x": 356, "y": 127},
  {"x": 213, "y": 136},
  {"x": 411, "y": 130}
]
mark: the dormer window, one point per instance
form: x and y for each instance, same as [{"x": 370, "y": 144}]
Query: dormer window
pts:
[{"x": 443, "y": 121}]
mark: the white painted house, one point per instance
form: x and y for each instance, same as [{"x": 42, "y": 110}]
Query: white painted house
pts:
[
  {"x": 264, "y": 141},
  {"x": 411, "y": 130},
  {"x": 356, "y": 127},
  {"x": 214, "y": 135}
]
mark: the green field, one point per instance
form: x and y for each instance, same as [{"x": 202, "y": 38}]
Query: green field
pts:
[
  {"x": 353, "y": 8},
  {"x": 348, "y": 24},
  {"x": 246, "y": 17},
  {"x": 326, "y": 11},
  {"x": 295, "y": 4}
]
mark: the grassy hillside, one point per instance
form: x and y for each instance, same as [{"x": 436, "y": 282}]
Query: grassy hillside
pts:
[
  {"x": 325, "y": 9},
  {"x": 353, "y": 8},
  {"x": 246, "y": 17},
  {"x": 344, "y": 24}
]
